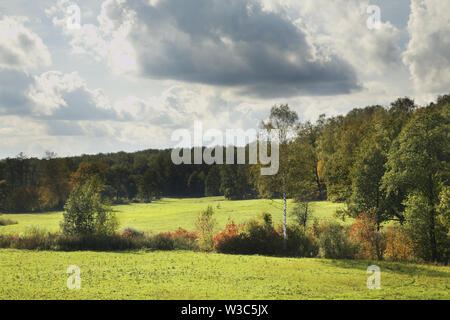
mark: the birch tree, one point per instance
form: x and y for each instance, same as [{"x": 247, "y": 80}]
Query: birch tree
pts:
[{"x": 285, "y": 120}]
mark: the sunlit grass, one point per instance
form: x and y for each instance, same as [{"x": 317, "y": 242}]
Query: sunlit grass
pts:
[
  {"x": 189, "y": 275},
  {"x": 168, "y": 214}
]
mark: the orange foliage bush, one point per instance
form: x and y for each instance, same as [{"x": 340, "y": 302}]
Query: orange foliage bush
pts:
[
  {"x": 364, "y": 234},
  {"x": 399, "y": 246}
]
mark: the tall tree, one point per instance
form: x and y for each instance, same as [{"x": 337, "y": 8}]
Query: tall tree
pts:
[
  {"x": 119, "y": 179},
  {"x": 418, "y": 162},
  {"x": 285, "y": 120},
  {"x": 339, "y": 144},
  {"x": 55, "y": 183},
  {"x": 87, "y": 170},
  {"x": 150, "y": 185},
  {"x": 212, "y": 182},
  {"x": 196, "y": 184},
  {"x": 367, "y": 195},
  {"x": 236, "y": 182}
]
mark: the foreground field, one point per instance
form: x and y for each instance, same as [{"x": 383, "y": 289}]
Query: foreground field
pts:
[
  {"x": 192, "y": 275},
  {"x": 189, "y": 275},
  {"x": 168, "y": 214}
]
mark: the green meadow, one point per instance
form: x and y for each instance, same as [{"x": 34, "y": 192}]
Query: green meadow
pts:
[
  {"x": 168, "y": 214},
  {"x": 193, "y": 275},
  {"x": 190, "y": 275}
]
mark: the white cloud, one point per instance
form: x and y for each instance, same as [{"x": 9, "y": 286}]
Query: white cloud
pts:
[
  {"x": 193, "y": 53},
  {"x": 47, "y": 91},
  {"x": 67, "y": 97},
  {"x": 20, "y": 48},
  {"x": 176, "y": 107},
  {"x": 105, "y": 41},
  {"x": 428, "y": 52},
  {"x": 341, "y": 26}
]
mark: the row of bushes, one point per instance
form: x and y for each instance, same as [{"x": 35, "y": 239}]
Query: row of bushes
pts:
[
  {"x": 362, "y": 240},
  {"x": 90, "y": 224},
  {"x": 327, "y": 239},
  {"x": 129, "y": 239}
]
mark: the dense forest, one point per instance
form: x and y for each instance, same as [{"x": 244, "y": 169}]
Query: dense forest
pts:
[{"x": 372, "y": 158}]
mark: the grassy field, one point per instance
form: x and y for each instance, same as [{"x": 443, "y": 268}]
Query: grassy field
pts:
[
  {"x": 168, "y": 214},
  {"x": 190, "y": 275}
]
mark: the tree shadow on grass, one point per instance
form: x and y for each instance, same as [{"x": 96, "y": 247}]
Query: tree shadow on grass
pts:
[
  {"x": 158, "y": 201},
  {"x": 392, "y": 267},
  {"x": 35, "y": 213}
]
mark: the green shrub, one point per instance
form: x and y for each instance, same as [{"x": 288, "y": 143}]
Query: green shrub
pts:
[
  {"x": 333, "y": 241},
  {"x": 86, "y": 214},
  {"x": 35, "y": 231},
  {"x": 5, "y": 241},
  {"x": 300, "y": 243},
  {"x": 7, "y": 222},
  {"x": 204, "y": 227},
  {"x": 258, "y": 236},
  {"x": 162, "y": 241}
]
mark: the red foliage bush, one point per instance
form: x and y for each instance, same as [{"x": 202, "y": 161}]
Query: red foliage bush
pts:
[
  {"x": 181, "y": 239},
  {"x": 131, "y": 233},
  {"x": 184, "y": 234},
  {"x": 226, "y": 240}
]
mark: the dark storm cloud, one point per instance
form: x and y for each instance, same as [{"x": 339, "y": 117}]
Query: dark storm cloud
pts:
[{"x": 232, "y": 43}]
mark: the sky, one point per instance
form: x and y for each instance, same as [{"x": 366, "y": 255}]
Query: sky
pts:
[{"x": 128, "y": 73}]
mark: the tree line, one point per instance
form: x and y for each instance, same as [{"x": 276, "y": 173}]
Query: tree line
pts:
[
  {"x": 391, "y": 162},
  {"x": 336, "y": 158}
]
